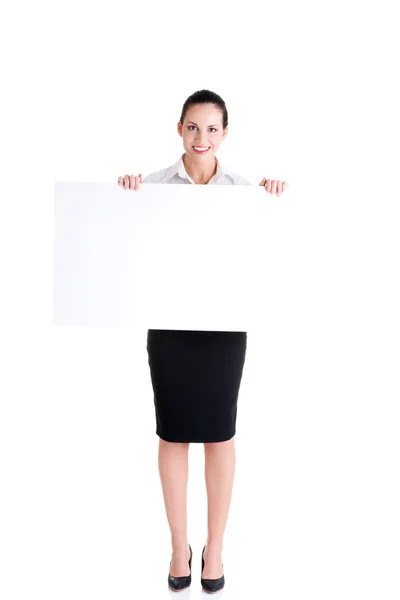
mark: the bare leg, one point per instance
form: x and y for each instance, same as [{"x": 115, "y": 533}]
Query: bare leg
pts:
[
  {"x": 220, "y": 461},
  {"x": 173, "y": 469}
]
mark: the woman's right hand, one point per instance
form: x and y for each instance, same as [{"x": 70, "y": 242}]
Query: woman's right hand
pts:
[{"x": 131, "y": 182}]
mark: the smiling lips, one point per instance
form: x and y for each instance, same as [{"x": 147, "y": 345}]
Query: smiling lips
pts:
[{"x": 201, "y": 149}]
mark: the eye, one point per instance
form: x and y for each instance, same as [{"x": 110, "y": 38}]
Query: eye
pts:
[{"x": 213, "y": 129}]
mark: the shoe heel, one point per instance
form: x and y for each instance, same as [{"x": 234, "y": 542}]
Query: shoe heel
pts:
[
  {"x": 180, "y": 583},
  {"x": 211, "y": 585}
]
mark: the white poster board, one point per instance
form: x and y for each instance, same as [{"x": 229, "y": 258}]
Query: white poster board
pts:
[{"x": 166, "y": 257}]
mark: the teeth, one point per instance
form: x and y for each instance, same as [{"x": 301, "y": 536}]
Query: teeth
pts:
[{"x": 201, "y": 149}]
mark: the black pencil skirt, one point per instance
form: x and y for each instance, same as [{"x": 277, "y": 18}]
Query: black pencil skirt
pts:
[{"x": 196, "y": 378}]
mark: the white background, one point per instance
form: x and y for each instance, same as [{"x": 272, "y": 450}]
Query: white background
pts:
[{"x": 93, "y": 91}]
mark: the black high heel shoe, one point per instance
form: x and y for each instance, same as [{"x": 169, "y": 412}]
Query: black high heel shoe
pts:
[
  {"x": 211, "y": 585},
  {"x": 180, "y": 583}
]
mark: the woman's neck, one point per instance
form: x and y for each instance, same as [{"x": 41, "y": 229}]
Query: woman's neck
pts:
[{"x": 200, "y": 173}]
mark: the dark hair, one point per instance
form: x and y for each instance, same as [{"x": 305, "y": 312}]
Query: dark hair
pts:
[{"x": 204, "y": 97}]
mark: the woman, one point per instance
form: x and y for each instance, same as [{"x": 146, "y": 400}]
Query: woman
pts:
[{"x": 196, "y": 374}]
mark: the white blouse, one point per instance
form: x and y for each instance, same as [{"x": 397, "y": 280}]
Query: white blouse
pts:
[{"x": 177, "y": 174}]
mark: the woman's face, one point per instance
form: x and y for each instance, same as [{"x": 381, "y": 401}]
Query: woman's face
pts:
[{"x": 202, "y": 128}]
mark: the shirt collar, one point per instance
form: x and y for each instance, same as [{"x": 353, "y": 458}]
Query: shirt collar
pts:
[{"x": 179, "y": 169}]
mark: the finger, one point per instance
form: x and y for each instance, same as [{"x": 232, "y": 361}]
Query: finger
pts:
[
  {"x": 273, "y": 186},
  {"x": 137, "y": 183},
  {"x": 141, "y": 178},
  {"x": 120, "y": 181},
  {"x": 263, "y": 181},
  {"x": 131, "y": 182},
  {"x": 278, "y": 187},
  {"x": 284, "y": 185},
  {"x": 268, "y": 185},
  {"x": 126, "y": 182}
]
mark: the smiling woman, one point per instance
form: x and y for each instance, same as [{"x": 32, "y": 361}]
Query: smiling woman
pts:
[
  {"x": 203, "y": 125},
  {"x": 196, "y": 375}
]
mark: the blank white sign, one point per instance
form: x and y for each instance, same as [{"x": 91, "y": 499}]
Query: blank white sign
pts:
[{"x": 166, "y": 257}]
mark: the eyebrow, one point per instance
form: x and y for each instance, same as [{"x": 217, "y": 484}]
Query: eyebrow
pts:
[{"x": 215, "y": 125}]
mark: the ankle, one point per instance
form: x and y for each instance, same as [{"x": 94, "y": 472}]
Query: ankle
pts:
[{"x": 180, "y": 545}]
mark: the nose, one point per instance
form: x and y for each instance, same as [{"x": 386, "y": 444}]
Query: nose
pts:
[{"x": 202, "y": 141}]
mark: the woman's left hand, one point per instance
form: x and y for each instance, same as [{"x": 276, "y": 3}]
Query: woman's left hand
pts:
[{"x": 273, "y": 186}]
